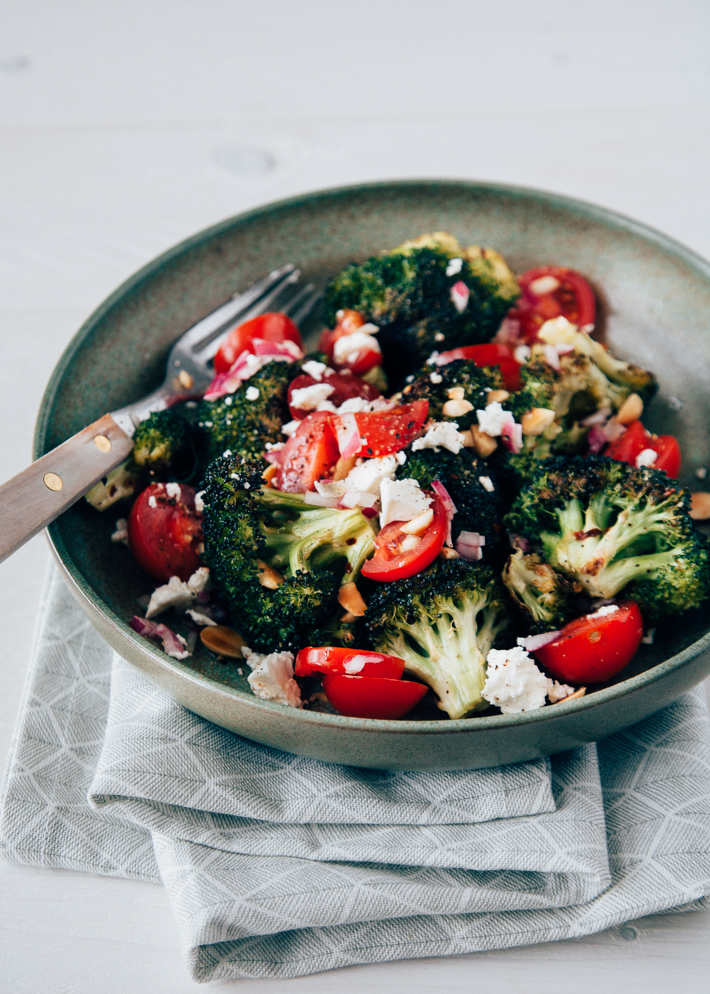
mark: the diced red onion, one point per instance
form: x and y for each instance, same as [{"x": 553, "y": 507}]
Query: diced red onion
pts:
[
  {"x": 459, "y": 296},
  {"x": 552, "y": 356},
  {"x": 369, "y": 512},
  {"x": 598, "y": 418},
  {"x": 534, "y": 642},
  {"x": 509, "y": 333},
  {"x": 320, "y": 500},
  {"x": 519, "y": 542},
  {"x": 357, "y": 498},
  {"x": 172, "y": 643},
  {"x": 601, "y": 434},
  {"x": 512, "y": 435},
  {"x": 348, "y": 435},
  {"x": 443, "y": 494},
  {"x": 248, "y": 363},
  {"x": 470, "y": 544},
  {"x": 287, "y": 349},
  {"x": 564, "y": 348}
]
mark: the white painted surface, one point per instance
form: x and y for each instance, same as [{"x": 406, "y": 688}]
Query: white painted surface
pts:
[{"x": 126, "y": 126}]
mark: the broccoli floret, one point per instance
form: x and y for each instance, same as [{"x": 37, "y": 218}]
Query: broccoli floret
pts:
[
  {"x": 407, "y": 293},
  {"x": 313, "y": 550},
  {"x": 119, "y": 483},
  {"x": 441, "y": 384},
  {"x": 544, "y": 597},
  {"x": 162, "y": 447},
  {"x": 477, "y": 508},
  {"x": 244, "y": 426},
  {"x": 611, "y": 527},
  {"x": 443, "y": 622}
]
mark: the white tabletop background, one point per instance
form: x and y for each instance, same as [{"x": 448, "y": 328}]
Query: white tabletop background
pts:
[{"x": 126, "y": 125}]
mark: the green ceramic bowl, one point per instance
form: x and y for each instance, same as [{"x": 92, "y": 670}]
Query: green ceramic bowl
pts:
[{"x": 655, "y": 298}]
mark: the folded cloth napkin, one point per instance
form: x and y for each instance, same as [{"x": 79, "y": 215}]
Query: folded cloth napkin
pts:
[{"x": 280, "y": 866}]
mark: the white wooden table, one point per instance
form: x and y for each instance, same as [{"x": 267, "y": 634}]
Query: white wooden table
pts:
[{"x": 126, "y": 126}]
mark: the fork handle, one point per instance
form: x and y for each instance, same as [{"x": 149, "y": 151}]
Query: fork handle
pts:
[{"x": 39, "y": 494}]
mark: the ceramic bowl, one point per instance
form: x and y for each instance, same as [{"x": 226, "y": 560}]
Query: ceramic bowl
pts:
[{"x": 655, "y": 298}]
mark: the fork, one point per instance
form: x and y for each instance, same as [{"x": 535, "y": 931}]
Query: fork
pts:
[{"x": 35, "y": 497}]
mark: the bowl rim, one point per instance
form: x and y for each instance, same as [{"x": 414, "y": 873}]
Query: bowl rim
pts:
[{"x": 87, "y": 597}]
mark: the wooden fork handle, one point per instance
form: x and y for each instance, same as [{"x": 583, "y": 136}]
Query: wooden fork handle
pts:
[{"x": 39, "y": 494}]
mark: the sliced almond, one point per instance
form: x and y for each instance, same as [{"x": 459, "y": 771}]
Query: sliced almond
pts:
[
  {"x": 456, "y": 393},
  {"x": 350, "y": 598},
  {"x": 484, "y": 444},
  {"x": 700, "y": 505},
  {"x": 342, "y": 468},
  {"x": 534, "y": 422},
  {"x": 270, "y": 472},
  {"x": 419, "y": 524},
  {"x": 348, "y": 617},
  {"x": 497, "y": 396},
  {"x": 223, "y": 641},
  {"x": 630, "y": 410},
  {"x": 447, "y": 553},
  {"x": 409, "y": 543},
  {"x": 580, "y": 692},
  {"x": 467, "y": 439},
  {"x": 455, "y": 408},
  {"x": 269, "y": 577}
]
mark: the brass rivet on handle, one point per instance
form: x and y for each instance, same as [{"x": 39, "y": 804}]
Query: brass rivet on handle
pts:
[
  {"x": 52, "y": 481},
  {"x": 102, "y": 443}
]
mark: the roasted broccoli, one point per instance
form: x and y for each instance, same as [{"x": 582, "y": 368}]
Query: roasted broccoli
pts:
[
  {"x": 460, "y": 384},
  {"x": 242, "y": 425},
  {"x": 544, "y": 597},
  {"x": 407, "y": 292},
  {"x": 442, "y": 622},
  {"x": 119, "y": 483},
  {"x": 611, "y": 527},
  {"x": 276, "y": 561},
  {"x": 478, "y": 509},
  {"x": 162, "y": 447}
]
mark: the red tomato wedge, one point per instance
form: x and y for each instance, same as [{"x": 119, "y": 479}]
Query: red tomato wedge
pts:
[
  {"x": 487, "y": 355},
  {"x": 594, "y": 648},
  {"x": 344, "y": 384},
  {"x": 394, "y": 559},
  {"x": 354, "y": 662},
  {"x": 363, "y": 359},
  {"x": 379, "y": 433},
  {"x": 372, "y": 697},
  {"x": 165, "y": 533},
  {"x": 309, "y": 455},
  {"x": 551, "y": 292},
  {"x": 272, "y": 327},
  {"x": 635, "y": 439}
]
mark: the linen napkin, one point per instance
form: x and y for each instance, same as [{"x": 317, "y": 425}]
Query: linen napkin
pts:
[{"x": 280, "y": 866}]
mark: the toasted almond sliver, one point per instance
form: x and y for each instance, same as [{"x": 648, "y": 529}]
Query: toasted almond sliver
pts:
[
  {"x": 269, "y": 577},
  {"x": 419, "y": 524},
  {"x": 350, "y": 598},
  {"x": 580, "y": 692},
  {"x": 342, "y": 468},
  {"x": 456, "y": 393},
  {"x": 447, "y": 553},
  {"x": 455, "y": 408},
  {"x": 410, "y": 543},
  {"x": 497, "y": 396},
  {"x": 700, "y": 505},
  {"x": 222, "y": 641},
  {"x": 484, "y": 444},
  {"x": 270, "y": 472},
  {"x": 467, "y": 439},
  {"x": 535, "y": 421},
  {"x": 630, "y": 410}
]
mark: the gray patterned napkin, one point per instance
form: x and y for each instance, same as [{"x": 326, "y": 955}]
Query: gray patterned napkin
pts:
[{"x": 280, "y": 866}]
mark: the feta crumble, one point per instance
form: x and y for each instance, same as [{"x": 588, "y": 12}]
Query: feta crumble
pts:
[
  {"x": 604, "y": 611},
  {"x": 436, "y": 378},
  {"x": 152, "y": 502},
  {"x": 647, "y": 457},
  {"x": 402, "y": 500},
  {"x": 173, "y": 490},
  {"x": 199, "y": 503},
  {"x": 513, "y": 681},
  {"x": 252, "y": 393},
  {"x": 121, "y": 532},
  {"x": 454, "y": 267},
  {"x": 346, "y": 348},
  {"x": 308, "y": 398},
  {"x": 316, "y": 369},
  {"x": 271, "y": 677},
  {"x": 487, "y": 483},
  {"x": 493, "y": 419},
  {"x": 290, "y": 427},
  {"x": 441, "y": 434},
  {"x": 178, "y": 594},
  {"x": 356, "y": 405},
  {"x": 557, "y": 691},
  {"x": 368, "y": 476}
]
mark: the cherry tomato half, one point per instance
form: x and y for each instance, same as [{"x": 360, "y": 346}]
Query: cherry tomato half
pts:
[
  {"x": 309, "y": 455},
  {"x": 384, "y": 432},
  {"x": 551, "y": 292},
  {"x": 355, "y": 662},
  {"x": 395, "y": 560},
  {"x": 594, "y": 648},
  {"x": 272, "y": 327},
  {"x": 165, "y": 533},
  {"x": 491, "y": 354},
  {"x": 372, "y": 697},
  {"x": 344, "y": 384},
  {"x": 635, "y": 439},
  {"x": 364, "y": 358}
]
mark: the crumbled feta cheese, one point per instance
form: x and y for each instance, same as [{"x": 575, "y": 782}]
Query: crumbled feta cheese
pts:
[
  {"x": 227, "y": 452},
  {"x": 522, "y": 353},
  {"x": 178, "y": 594},
  {"x": 487, "y": 483},
  {"x": 401, "y": 457},
  {"x": 604, "y": 611},
  {"x": 173, "y": 490},
  {"x": 369, "y": 475},
  {"x": 326, "y": 405},
  {"x": 228, "y": 400},
  {"x": 701, "y": 472},
  {"x": 331, "y": 488},
  {"x": 454, "y": 267},
  {"x": 441, "y": 434},
  {"x": 271, "y": 677},
  {"x": 152, "y": 502},
  {"x": 121, "y": 532},
  {"x": 436, "y": 378},
  {"x": 647, "y": 457},
  {"x": 493, "y": 419},
  {"x": 252, "y": 393},
  {"x": 439, "y": 336},
  {"x": 199, "y": 503},
  {"x": 649, "y": 636},
  {"x": 274, "y": 446},
  {"x": 402, "y": 500},
  {"x": 289, "y": 427},
  {"x": 308, "y": 398},
  {"x": 315, "y": 369},
  {"x": 557, "y": 691},
  {"x": 513, "y": 681},
  {"x": 431, "y": 361},
  {"x": 200, "y": 618},
  {"x": 356, "y": 405},
  {"x": 409, "y": 379},
  {"x": 346, "y": 348}
]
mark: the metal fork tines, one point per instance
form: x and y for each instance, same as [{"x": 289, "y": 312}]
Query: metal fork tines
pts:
[{"x": 189, "y": 366}]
